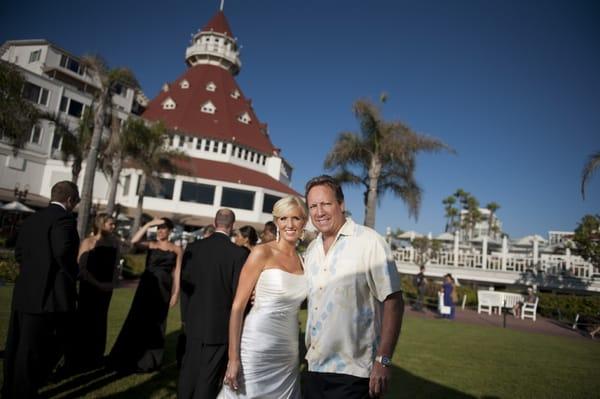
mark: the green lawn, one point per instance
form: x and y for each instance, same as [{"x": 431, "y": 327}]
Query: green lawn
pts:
[{"x": 434, "y": 359}]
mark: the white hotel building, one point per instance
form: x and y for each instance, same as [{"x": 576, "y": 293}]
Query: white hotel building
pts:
[{"x": 232, "y": 161}]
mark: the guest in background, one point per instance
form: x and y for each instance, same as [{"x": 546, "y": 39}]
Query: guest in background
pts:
[
  {"x": 98, "y": 273},
  {"x": 530, "y": 298},
  {"x": 246, "y": 237},
  {"x": 141, "y": 342},
  {"x": 421, "y": 285},
  {"x": 269, "y": 232},
  {"x": 449, "y": 291},
  {"x": 44, "y": 295},
  {"x": 208, "y": 231}
]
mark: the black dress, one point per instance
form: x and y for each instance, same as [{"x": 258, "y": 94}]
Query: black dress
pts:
[
  {"x": 140, "y": 344},
  {"x": 92, "y": 312}
]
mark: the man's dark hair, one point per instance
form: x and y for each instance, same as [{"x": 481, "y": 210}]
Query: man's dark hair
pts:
[
  {"x": 326, "y": 180},
  {"x": 224, "y": 218},
  {"x": 64, "y": 190},
  {"x": 270, "y": 227},
  {"x": 168, "y": 223}
]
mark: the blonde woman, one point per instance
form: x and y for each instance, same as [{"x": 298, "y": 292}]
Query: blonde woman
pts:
[
  {"x": 98, "y": 260},
  {"x": 263, "y": 348}
]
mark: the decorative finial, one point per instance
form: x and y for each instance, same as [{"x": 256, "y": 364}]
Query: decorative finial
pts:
[{"x": 222, "y": 4}]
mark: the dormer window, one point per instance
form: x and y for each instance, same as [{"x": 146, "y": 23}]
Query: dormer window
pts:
[
  {"x": 211, "y": 86},
  {"x": 165, "y": 87},
  {"x": 184, "y": 84},
  {"x": 244, "y": 118},
  {"x": 235, "y": 94},
  {"x": 168, "y": 103},
  {"x": 208, "y": 107}
]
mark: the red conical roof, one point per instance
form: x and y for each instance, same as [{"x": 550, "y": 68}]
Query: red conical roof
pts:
[
  {"x": 188, "y": 119},
  {"x": 219, "y": 24}
]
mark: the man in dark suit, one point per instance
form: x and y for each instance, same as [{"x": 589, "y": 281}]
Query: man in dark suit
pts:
[
  {"x": 44, "y": 295},
  {"x": 211, "y": 269}
]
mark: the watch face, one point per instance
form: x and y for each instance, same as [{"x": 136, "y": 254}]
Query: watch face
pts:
[{"x": 386, "y": 361}]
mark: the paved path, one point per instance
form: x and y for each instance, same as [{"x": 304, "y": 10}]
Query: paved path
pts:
[{"x": 540, "y": 326}]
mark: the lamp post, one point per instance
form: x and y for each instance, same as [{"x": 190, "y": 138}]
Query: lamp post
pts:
[{"x": 21, "y": 195}]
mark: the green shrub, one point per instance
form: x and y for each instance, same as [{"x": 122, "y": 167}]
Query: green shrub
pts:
[
  {"x": 567, "y": 306},
  {"x": 9, "y": 269},
  {"x": 134, "y": 265}
]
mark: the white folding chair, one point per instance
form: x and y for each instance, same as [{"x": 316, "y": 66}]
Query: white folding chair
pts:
[{"x": 529, "y": 310}]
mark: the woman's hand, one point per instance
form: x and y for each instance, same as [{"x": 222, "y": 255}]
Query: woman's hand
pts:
[
  {"x": 231, "y": 375},
  {"x": 155, "y": 222},
  {"x": 173, "y": 300}
]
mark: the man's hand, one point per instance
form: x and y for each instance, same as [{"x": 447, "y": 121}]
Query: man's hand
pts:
[{"x": 379, "y": 381}]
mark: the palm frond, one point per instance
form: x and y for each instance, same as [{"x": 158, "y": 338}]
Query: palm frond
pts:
[{"x": 589, "y": 169}]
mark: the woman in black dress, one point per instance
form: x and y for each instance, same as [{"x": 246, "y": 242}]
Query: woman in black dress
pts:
[
  {"x": 98, "y": 260},
  {"x": 140, "y": 344}
]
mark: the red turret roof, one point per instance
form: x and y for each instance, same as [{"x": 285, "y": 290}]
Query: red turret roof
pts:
[
  {"x": 224, "y": 125},
  {"x": 219, "y": 24}
]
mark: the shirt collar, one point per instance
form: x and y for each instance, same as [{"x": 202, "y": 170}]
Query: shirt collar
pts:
[
  {"x": 347, "y": 229},
  {"x": 59, "y": 204}
]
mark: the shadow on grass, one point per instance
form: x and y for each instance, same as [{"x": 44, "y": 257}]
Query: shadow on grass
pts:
[
  {"x": 408, "y": 385},
  {"x": 162, "y": 383}
]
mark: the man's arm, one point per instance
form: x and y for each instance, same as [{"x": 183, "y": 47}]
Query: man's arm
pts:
[{"x": 393, "y": 311}]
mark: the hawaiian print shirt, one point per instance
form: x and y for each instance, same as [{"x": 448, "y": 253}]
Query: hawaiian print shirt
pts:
[{"x": 346, "y": 290}]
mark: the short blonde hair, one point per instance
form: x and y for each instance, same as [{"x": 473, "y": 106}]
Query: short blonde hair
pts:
[{"x": 286, "y": 204}]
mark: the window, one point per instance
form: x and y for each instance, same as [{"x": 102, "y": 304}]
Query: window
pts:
[
  {"x": 169, "y": 103},
  {"x": 165, "y": 191},
  {"x": 211, "y": 86},
  {"x": 199, "y": 144},
  {"x": 71, "y": 64},
  {"x": 244, "y": 118},
  {"x": 36, "y": 135},
  {"x": 235, "y": 94},
  {"x": 208, "y": 107},
  {"x": 223, "y": 148},
  {"x": 207, "y": 144},
  {"x": 35, "y": 93},
  {"x": 216, "y": 147},
  {"x": 268, "y": 203},
  {"x": 64, "y": 102},
  {"x": 56, "y": 142},
  {"x": 126, "y": 183},
  {"x": 240, "y": 199},
  {"x": 184, "y": 84},
  {"x": 75, "y": 108},
  {"x": 171, "y": 140},
  {"x": 195, "y": 192},
  {"x": 35, "y": 56}
]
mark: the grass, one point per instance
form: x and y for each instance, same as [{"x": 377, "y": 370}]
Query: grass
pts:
[{"x": 433, "y": 359}]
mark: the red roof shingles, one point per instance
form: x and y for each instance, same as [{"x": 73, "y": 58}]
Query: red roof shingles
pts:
[
  {"x": 227, "y": 172},
  {"x": 223, "y": 124},
  {"x": 219, "y": 24}
]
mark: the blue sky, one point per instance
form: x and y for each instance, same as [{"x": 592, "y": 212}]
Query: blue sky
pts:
[{"x": 512, "y": 86}]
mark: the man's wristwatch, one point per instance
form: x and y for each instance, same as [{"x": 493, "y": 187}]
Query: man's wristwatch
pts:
[{"x": 384, "y": 360}]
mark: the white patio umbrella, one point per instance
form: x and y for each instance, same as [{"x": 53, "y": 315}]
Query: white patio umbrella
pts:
[
  {"x": 445, "y": 237},
  {"x": 528, "y": 240},
  {"x": 16, "y": 206},
  {"x": 409, "y": 235}
]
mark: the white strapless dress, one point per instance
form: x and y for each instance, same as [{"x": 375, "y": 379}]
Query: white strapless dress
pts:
[{"x": 269, "y": 343}]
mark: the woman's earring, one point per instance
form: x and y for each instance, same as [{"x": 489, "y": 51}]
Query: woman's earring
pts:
[
  {"x": 277, "y": 236},
  {"x": 302, "y": 234}
]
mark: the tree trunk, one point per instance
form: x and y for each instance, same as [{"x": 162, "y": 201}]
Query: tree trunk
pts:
[
  {"x": 117, "y": 165},
  {"x": 90, "y": 167},
  {"x": 374, "y": 173},
  {"x": 137, "y": 220}
]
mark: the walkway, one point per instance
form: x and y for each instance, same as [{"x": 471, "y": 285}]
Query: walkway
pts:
[{"x": 540, "y": 326}]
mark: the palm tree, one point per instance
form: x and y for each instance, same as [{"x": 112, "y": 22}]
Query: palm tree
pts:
[
  {"x": 492, "y": 207},
  {"x": 152, "y": 156},
  {"x": 381, "y": 158},
  {"x": 590, "y": 167},
  {"x": 75, "y": 143},
  {"x": 451, "y": 211},
  {"x": 108, "y": 80},
  {"x": 17, "y": 115}
]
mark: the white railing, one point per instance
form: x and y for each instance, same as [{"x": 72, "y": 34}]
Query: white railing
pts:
[{"x": 569, "y": 265}]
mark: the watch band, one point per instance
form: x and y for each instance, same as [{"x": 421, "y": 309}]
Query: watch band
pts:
[{"x": 383, "y": 360}]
